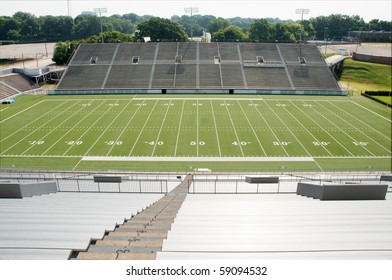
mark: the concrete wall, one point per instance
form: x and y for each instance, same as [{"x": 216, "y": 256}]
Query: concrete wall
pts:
[
  {"x": 371, "y": 58},
  {"x": 16, "y": 190},
  {"x": 343, "y": 191}
]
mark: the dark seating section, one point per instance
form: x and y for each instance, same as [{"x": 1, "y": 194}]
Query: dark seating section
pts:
[
  {"x": 84, "y": 77},
  {"x": 15, "y": 83},
  {"x": 185, "y": 65}
]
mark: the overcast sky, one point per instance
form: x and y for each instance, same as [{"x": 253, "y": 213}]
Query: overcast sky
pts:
[{"x": 283, "y": 9}]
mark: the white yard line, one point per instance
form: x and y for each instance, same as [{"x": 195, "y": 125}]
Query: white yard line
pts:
[
  {"x": 338, "y": 142},
  {"x": 54, "y": 129},
  {"x": 34, "y": 120},
  {"x": 32, "y": 106},
  {"x": 122, "y": 132},
  {"x": 389, "y": 138},
  {"x": 160, "y": 130},
  {"x": 203, "y": 159},
  {"x": 107, "y": 127},
  {"x": 371, "y": 111},
  {"x": 91, "y": 126},
  {"x": 355, "y": 140},
  {"x": 253, "y": 130},
  {"x": 142, "y": 130},
  {"x": 272, "y": 131},
  {"x": 196, "y": 98},
  {"x": 70, "y": 130},
  {"x": 37, "y": 129},
  {"x": 299, "y": 142},
  {"x": 311, "y": 134},
  {"x": 235, "y": 131},
  {"x": 179, "y": 128},
  {"x": 96, "y": 141},
  {"x": 211, "y": 159},
  {"x": 216, "y": 128},
  {"x": 197, "y": 128}
]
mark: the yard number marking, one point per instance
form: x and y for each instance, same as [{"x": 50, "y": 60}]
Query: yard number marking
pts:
[
  {"x": 361, "y": 143},
  {"x": 152, "y": 143},
  {"x": 281, "y": 143},
  {"x": 113, "y": 143},
  {"x": 242, "y": 143},
  {"x": 39, "y": 142},
  {"x": 71, "y": 143},
  {"x": 194, "y": 143},
  {"x": 316, "y": 143}
]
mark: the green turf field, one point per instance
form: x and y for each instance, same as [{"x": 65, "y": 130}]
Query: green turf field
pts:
[{"x": 182, "y": 133}]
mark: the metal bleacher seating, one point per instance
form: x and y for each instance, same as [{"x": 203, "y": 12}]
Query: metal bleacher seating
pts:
[
  {"x": 15, "y": 83},
  {"x": 198, "y": 66}
]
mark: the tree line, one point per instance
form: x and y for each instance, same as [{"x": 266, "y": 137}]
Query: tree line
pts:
[{"x": 27, "y": 27}]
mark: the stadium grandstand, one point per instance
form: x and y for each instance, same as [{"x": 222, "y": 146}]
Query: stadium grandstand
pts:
[
  {"x": 169, "y": 67},
  {"x": 196, "y": 213},
  {"x": 13, "y": 84}
]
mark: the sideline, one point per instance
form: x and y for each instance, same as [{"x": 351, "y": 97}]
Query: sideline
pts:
[{"x": 198, "y": 159}]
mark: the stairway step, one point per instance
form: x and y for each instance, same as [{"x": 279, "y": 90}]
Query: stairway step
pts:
[
  {"x": 96, "y": 256},
  {"x": 139, "y": 238},
  {"x": 134, "y": 256},
  {"x": 123, "y": 249}
]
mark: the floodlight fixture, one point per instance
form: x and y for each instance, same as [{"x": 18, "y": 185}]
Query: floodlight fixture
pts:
[
  {"x": 191, "y": 10},
  {"x": 302, "y": 12},
  {"x": 100, "y": 11}
]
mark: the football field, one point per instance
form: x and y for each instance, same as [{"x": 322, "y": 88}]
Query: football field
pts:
[{"x": 182, "y": 133}]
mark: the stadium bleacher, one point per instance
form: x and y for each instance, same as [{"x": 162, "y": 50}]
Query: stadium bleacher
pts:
[
  {"x": 14, "y": 83},
  {"x": 198, "y": 66}
]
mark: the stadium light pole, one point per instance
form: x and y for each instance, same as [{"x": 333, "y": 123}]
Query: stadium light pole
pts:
[
  {"x": 302, "y": 12},
  {"x": 191, "y": 10},
  {"x": 69, "y": 14},
  {"x": 100, "y": 11}
]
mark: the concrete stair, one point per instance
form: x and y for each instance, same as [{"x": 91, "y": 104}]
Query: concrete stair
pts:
[{"x": 140, "y": 237}]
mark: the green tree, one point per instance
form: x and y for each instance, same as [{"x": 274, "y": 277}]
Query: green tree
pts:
[
  {"x": 86, "y": 26},
  {"x": 161, "y": 29},
  {"x": 110, "y": 37},
  {"x": 378, "y": 25},
  {"x": 11, "y": 28},
  {"x": 279, "y": 32},
  {"x": 29, "y": 27},
  {"x": 229, "y": 34},
  {"x": 217, "y": 24},
  {"x": 63, "y": 51},
  {"x": 259, "y": 31}
]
